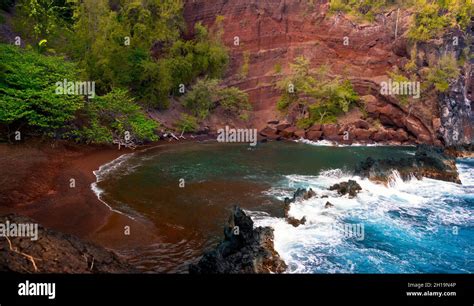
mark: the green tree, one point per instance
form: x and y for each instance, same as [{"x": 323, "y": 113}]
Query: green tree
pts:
[
  {"x": 201, "y": 99},
  {"x": 111, "y": 116},
  {"x": 28, "y": 101},
  {"x": 234, "y": 100},
  {"x": 28, "y": 92},
  {"x": 314, "y": 93},
  {"x": 157, "y": 61},
  {"x": 44, "y": 19},
  {"x": 433, "y": 17},
  {"x": 443, "y": 72},
  {"x": 187, "y": 123},
  {"x": 206, "y": 95}
]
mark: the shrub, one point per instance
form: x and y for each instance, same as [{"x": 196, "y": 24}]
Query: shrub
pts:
[
  {"x": 187, "y": 123},
  {"x": 157, "y": 60},
  {"x": 244, "y": 116},
  {"x": 278, "y": 68},
  {"x": 428, "y": 21},
  {"x": 202, "y": 97},
  {"x": 284, "y": 102},
  {"x": 233, "y": 100},
  {"x": 304, "y": 123},
  {"x": 361, "y": 8},
  {"x": 206, "y": 94},
  {"x": 324, "y": 113},
  {"x": 27, "y": 90},
  {"x": 316, "y": 92},
  {"x": 113, "y": 114},
  {"x": 434, "y": 17},
  {"x": 443, "y": 72},
  {"x": 6, "y": 5},
  {"x": 245, "y": 66},
  {"x": 339, "y": 6}
]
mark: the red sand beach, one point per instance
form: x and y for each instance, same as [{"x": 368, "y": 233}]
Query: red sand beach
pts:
[{"x": 36, "y": 181}]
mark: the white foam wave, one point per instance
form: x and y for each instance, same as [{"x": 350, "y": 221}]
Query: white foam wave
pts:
[
  {"x": 406, "y": 205},
  {"x": 111, "y": 166},
  {"x": 319, "y": 143},
  {"x": 466, "y": 174},
  {"x": 102, "y": 173},
  {"x": 328, "y": 143}
]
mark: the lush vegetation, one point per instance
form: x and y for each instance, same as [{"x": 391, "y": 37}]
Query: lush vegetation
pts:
[
  {"x": 443, "y": 72},
  {"x": 206, "y": 94},
  {"x": 118, "y": 52},
  {"x": 362, "y": 8},
  {"x": 187, "y": 123},
  {"x": 432, "y": 18},
  {"x": 315, "y": 95},
  {"x": 27, "y": 91},
  {"x": 399, "y": 78},
  {"x": 111, "y": 116},
  {"x": 141, "y": 57},
  {"x": 245, "y": 66},
  {"x": 29, "y": 102},
  {"x": 129, "y": 48}
]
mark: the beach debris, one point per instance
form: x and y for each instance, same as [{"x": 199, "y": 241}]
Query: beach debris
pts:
[
  {"x": 127, "y": 141},
  {"x": 174, "y": 136},
  {"x": 182, "y": 135}
]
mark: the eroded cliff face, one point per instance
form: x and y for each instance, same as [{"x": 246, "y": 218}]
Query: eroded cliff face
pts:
[
  {"x": 264, "y": 35},
  {"x": 456, "y": 114}
]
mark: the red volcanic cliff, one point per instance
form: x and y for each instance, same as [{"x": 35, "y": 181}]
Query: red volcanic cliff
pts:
[{"x": 272, "y": 33}]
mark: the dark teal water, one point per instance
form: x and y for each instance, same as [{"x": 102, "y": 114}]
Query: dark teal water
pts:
[{"x": 408, "y": 226}]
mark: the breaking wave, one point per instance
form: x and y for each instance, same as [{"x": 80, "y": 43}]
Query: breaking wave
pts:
[{"x": 412, "y": 226}]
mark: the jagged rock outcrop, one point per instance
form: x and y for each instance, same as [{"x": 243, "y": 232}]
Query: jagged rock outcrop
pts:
[
  {"x": 452, "y": 116},
  {"x": 457, "y": 118},
  {"x": 54, "y": 252},
  {"x": 299, "y": 195},
  {"x": 270, "y": 133},
  {"x": 350, "y": 187},
  {"x": 245, "y": 249},
  {"x": 428, "y": 161},
  {"x": 328, "y": 205},
  {"x": 296, "y": 222},
  {"x": 461, "y": 151}
]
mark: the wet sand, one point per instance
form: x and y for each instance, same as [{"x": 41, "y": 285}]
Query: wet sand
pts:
[{"x": 50, "y": 182}]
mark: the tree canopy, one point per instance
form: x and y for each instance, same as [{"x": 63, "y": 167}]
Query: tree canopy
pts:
[
  {"x": 127, "y": 48},
  {"x": 319, "y": 97}
]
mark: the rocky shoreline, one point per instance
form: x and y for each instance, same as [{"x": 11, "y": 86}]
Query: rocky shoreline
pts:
[
  {"x": 430, "y": 162},
  {"x": 358, "y": 131},
  {"x": 245, "y": 249},
  {"x": 55, "y": 252},
  {"x": 251, "y": 251}
]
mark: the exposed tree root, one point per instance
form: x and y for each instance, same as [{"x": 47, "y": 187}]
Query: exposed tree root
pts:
[{"x": 29, "y": 257}]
